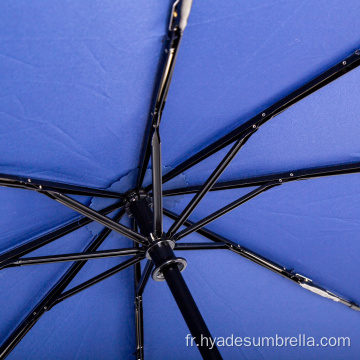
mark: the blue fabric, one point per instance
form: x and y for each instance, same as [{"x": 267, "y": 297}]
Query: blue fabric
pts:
[
  {"x": 76, "y": 81},
  {"x": 64, "y": 100}
]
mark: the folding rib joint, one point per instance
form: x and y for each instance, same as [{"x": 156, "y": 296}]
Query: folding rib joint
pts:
[
  {"x": 220, "y": 242},
  {"x": 301, "y": 280},
  {"x": 307, "y": 284}
]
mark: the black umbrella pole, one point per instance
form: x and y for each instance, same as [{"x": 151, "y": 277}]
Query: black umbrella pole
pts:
[
  {"x": 191, "y": 313},
  {"x": 169, "y": 267}
]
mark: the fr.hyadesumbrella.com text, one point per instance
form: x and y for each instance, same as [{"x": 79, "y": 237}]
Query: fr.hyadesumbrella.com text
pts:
[{"x": 300, "y": 340}]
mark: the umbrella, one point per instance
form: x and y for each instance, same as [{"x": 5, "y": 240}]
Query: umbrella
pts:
[{"x": 95, "y": 206}]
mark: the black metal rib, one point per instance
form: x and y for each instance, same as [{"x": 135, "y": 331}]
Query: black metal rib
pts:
[
  {"x": 178, "y": 20},
  {"x": 137, "y": 267},
  {"x": 39, "y": 260},
  {"x": 38, "y": 185},
  {"x": 139, "y": 314},
  {"x": 205, "y": 188},
  {"x": 317, "y": 83},
  {"x": 156, "y": 183},
  {"x": 24, "y": 327},
  {"x": 200, "y": 246},
  {"x": 188, "y": 223},
  {"x": 53, "y": 235},
  {"x": 114, "y": 270},
  {"x": 144, "y": 278},
  {"x": 139, "y": 327},
  {"x": 96, "y": 216},
  {"x": 264, "y": 262},
  {"x": 231, "y": 245},
  {"x": 224, "y": 210},
  {"x": 303, "y": 174},
  {"x": 166, "y": 68}
]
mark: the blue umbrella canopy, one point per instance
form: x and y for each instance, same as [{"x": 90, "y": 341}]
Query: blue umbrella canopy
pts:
[{"x": 264, "y": 94}]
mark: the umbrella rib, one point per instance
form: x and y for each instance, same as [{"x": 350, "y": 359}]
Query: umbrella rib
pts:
[
  {"x": 139, "y": 316},
  {"x": 266, "y": 263},
  {"x": 156, "y": 183},
  {"x": 200, "y": 246},
  {"x": 270, "y": 112},
  {"x": 166, "y": 69},
  {"x": 37, "y": 184},
  {"x": 144, "y": 278},
  {"x": 303, "y": 174},
  {"x": 53, "y": 235},
  {"x": 224, "y": 210},
  {"x": 96, "y": 216},
  {"x": 139, "y": 327},
  {"x": 114, "y": 270},
  {"x": 205, "y": 188},
  {"x": 50, "y": 259},
  {"x": 30, "y": 320}
]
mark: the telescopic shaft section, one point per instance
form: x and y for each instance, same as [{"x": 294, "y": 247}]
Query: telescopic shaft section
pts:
[
  {"x": 190, "y": 313},
  {"x": 161, "y": 255}
]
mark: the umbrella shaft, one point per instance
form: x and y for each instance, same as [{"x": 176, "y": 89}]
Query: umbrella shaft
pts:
[{"x": 191, "y": 313}]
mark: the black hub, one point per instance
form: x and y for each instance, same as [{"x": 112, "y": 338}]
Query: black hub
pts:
[
  {"x": 159, "y": 250},
  {"x": 168, "y": 267}
]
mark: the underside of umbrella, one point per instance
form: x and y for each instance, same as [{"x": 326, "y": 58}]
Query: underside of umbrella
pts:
[{"x": 85, "y": 198}]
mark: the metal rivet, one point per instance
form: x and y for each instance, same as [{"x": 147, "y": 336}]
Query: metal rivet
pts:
[
  {"x": 45, "y": 307},
  {"x": 291, "y": 174},
  {"x": 263, "y": 114},
  {"x": 280, "y": 180},
  {"x": 344, "y": 62},
  {"x": 29, "y": 180},
  {"x": 254, "y": 126},
  {"x": 34, "y": 313},
  {"x": 40, "y": 187},
  {"x": 357, "y": 52}
]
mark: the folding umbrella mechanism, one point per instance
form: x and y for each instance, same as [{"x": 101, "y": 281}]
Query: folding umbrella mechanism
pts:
[{"x": 145, "y": 207}]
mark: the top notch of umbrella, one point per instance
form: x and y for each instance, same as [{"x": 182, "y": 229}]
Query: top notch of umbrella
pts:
[{"x": 180, "y": 14}]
